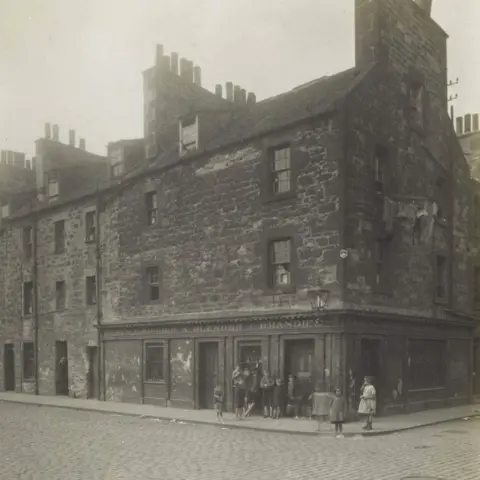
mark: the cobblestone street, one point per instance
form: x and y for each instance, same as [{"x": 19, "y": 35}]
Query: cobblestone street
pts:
[{"x": 52, "y": 444}]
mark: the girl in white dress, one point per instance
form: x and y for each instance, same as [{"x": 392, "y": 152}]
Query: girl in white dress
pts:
[{"x": 368, "y": 402}]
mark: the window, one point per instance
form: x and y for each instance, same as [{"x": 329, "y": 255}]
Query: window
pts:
[
  {"x": 380, "y": 168},
  {"x": 27, "y": 242},
  {"x": 188, "y": 135},
  {"x": 441, "y": 277},
  {"x": 153, "y": 283},
  {"x": 281, "y": 171},
  {"x": 90, "y": 226},
  {"x": 380, "y": 257},
  {"x": 151, "y": 204},
  {"x": 476, "y": 214},
  {"x": 426, "y": 364},
  {"x": 5, "y": 210},
  {"x": 91, "y": 290},
  {"x": 476, "y": 287},
  {"x": 116, "y": 162},
  {"x": 27, "y": 298},
  {"x": 154, "y": 362},
  {"x": 52, "y": 189},
  {"x": 59, "y": 228},
  {"x": 280, "y": 263},
  {"x": 441, "y": 198},
  {"x": 416, "y": 105},
  {"x": 60, "y": 295},
  {"x": 28, "y": 353}
]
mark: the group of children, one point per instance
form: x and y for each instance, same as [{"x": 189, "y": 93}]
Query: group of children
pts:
[{"x": 247, "y": 390}]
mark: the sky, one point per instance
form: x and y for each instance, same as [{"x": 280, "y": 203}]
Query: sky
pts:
[{"x": 79, "y": 63}]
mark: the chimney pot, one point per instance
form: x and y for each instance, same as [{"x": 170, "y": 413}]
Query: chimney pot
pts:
[
  {"x": 476, "y": 122},
  {"x": 459, "y": 126},
  {"x": 174, "y": 62},
  {"x": 55, "y": 133},
  {"x": 229, "y": 91},
  {"x": 82, "y": 145},
  {"x": 468, "y": 123},
  {"x": 48, "y": 131},
  {"x": 197, "y": 76},
  {"x": 218, "y": 90},
  {"x": 251, "y": 99},
  {"x": 236, "y": 94},
  {"x": 158, "y": 55},
  {"x": 71, "y": 137}
]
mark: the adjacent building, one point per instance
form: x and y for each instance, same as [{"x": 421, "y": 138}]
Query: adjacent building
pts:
[{"x": 324, "y": 232}]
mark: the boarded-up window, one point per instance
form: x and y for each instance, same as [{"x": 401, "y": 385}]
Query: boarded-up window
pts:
[
  {"x": 154, "y": 362},
  {"x": 426, "y": 361}
]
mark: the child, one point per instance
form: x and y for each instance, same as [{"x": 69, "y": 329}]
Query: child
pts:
[
  {"x": 239, "y": 385},
  {"x": 336, "y": 411},
  {"x": 292, "y": 396},
  {"x": 321, "y": 403},
  {"x": 277, "y": 398},
  {"x": 368, "y": 402},
  {"x": 266, "y": 385},
  {"x": 218, "y": 401}
]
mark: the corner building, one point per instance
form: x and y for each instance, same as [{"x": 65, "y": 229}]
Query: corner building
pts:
[{"x": 351, "y": 189}]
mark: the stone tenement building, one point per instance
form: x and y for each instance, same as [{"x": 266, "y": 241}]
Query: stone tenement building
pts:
[{"x": 323, "y": 232}]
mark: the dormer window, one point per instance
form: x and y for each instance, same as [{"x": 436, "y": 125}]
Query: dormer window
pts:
[
  {"x": 116, "y": 162},
  {"x": 53, "y": 189},
  {"x": 188, "y": 133}
]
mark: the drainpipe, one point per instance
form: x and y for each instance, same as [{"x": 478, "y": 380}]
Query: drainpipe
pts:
[
  {"x": 35, "y": 303},
  {"x": 98, "y": 274}
]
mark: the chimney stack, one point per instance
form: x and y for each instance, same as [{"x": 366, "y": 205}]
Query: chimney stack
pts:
[
  {"x": 475, "y": 123},
  {"x": 218, "y": 91},
  {"x": 251, "y": 98},
  {"x": 197, "y": 76},
  {"x": 236, "y": 94},
  {"x": 71, "y": 137},
  {"x": 174, "y": 63},
  {"x": 468, "y": 123},
  {"x": 82, "y": 144},
  {"x": 56, "y": 133},
  {"x": 48, "y": 131},
  {"x": 243, "y": 96},
  {"x": 159, "y": 55},
  {"x": 425, "y": 5},
  {"x": 186, "y": 70},
  {"x": 229, "y": 91},
  {"x": 459, "y": 126}
]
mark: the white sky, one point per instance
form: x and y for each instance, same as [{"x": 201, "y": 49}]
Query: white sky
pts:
[{"x": 78, "y": 63}]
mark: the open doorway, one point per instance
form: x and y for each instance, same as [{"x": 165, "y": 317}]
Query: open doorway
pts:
[
  {"x": 370, "y": 362},
  {"x": 208, "y": 373},
  {"x": 61, "y": 368},
  {"x": 92, "y": 376},
  {"x": 250, "y": 356},
  {"x": 9, "y": 367}
]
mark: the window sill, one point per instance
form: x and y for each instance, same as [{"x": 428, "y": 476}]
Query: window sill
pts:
[
  {"x": 155, "y": 382},
  {"x": 279, "y": 197}
]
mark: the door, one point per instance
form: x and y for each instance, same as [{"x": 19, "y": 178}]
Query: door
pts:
[
  {"x": 208, "y": 373},
  {"x": 370, "y": 361},
  {"x": 92, "y": 376},
  {"x": 61, "y": 368},
  {"x": 9, "y": 367}
]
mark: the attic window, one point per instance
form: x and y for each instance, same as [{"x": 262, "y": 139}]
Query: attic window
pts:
[{"x": 188, "y": 134}]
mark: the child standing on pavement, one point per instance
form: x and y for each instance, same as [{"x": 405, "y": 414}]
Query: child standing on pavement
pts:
[
  {"x": 321, "y": 404},
  {"x": 218, "y": 401},
  {"x": 336, "y": 411}
]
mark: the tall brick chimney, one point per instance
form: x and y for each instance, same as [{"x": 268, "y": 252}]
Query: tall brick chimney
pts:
[
  {"x": 174, "y": 63},
  {"x": 218, "y": 90},
  {"x": 229, "y": 91},
  {"x": 56, "y": 133},
  {"x": 197, "y": 76},
  {"x": 71, "y": 138},
  {"x": 48, "y": 131},
  {"x": 82, "y": 145}
]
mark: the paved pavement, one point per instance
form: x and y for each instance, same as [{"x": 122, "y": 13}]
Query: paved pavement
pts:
[
  {"x": 382, "y": 425},
  {"x": 40, "y": 443}
]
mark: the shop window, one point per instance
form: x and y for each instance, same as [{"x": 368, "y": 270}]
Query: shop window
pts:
[
  {"x": 151, "y": 205},
  {"x": 28, "y": 361},
  {"x": 154, "y": 362},
  {"x": 59, "y": 236},
  {"x": 27, "y": 242},
  {"x": 280, "y": 263},
  {"x": 440, "y": 277},
  {"x": 426, "y": 361},
  {"x": 27, "y": 298},
  {"x": 91, "y": 290},
  {"x": 153, "y": 283},
  {"x": 281, "y": 170},
  {"x": 90, "y": 226},
  {"x": 250, "y": 354},
  {"x": 60, "y": 293}
]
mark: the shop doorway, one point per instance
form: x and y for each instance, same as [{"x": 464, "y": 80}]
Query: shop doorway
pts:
[
  {"x": 370, "y": 362},
  {"x": 61, "y": 368},
  {"x": 208, "y": 373},
  {"x": 92, "y": 376},
  {"x": 250, "y": 356},
  {"x": 9, "y": 367},
  {"x": 299, "y": 361}
]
